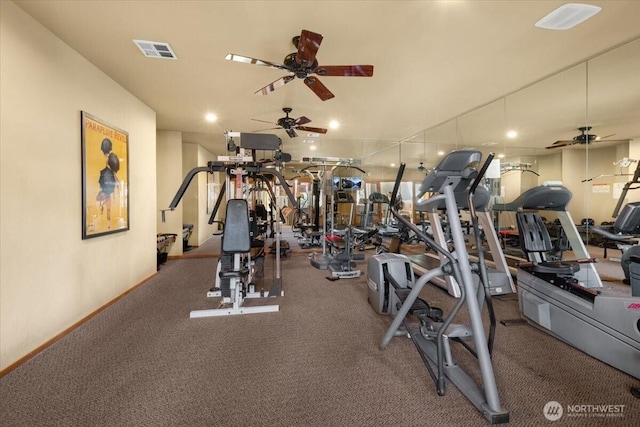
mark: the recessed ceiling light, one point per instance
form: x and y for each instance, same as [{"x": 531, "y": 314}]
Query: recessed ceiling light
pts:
[
  {"x": 393, "y": 165},
  {"x": 210, "y": 117},
  {"x": 512, "y": 134},
  {"x": 334, "y": 124},
  {"x": 312, "y": 147},
  {"x": 441, "y": 153},
  {"x": 501, "y": 156},
  {"x": 568, "y": 16},
  {"x": 156, "y": 49}
]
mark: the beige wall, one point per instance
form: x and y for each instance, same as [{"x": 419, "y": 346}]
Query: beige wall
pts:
[
  {"x": 549, "y": 168},
  {"x": 175, "y": 159},
  {"x": 169, "y": 178},
  {"x": 593, "y": 199},
  {"x": 205, "y": 231},
  {"x": 49, "y": 277},
  {"x": 195, "y": 198}
]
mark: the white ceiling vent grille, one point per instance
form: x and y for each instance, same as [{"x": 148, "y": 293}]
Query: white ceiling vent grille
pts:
[
  {"x": 155, "y": 49},
  {"x": 568, "y": 16}
]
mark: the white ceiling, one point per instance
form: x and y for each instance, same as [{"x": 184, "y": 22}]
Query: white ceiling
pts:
[{"x": 434, "y": 60}]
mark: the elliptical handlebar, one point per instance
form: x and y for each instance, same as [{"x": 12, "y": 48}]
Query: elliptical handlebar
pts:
[
  {"x": 446, "y": 179},
  {"x": 421, "y": 234},
  {"x": 481, "y": 173},
  {"x": 396, "y": 185}
]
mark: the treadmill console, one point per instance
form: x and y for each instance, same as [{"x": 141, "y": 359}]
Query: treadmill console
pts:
[
  {"x": 343, "y": 197},
  {"x": 628, "y": 222},
  {"x": 378, "y": 198}
]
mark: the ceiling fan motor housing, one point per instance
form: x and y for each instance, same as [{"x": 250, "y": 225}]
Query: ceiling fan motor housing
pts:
[
  {"x": 299, "y": 70},
  {"x": 286, "y": 122},
  {"x": 585, "y": 138}
]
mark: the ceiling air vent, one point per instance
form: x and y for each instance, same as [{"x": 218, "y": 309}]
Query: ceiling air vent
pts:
[
  {"x": 568, "y": 16},
  {"x": 155, "y": 49}
]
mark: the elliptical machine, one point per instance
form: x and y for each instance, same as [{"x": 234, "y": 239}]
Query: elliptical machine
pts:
[{"x": 392, "y": 289}]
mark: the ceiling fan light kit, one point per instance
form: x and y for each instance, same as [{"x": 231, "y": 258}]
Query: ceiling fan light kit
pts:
[{"x": 567, "y": 16}]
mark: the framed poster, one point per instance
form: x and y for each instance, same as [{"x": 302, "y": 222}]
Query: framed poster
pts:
[{"x": 105, "y": 178}]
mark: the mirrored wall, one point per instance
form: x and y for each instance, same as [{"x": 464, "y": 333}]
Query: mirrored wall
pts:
[
  {"x": 600, "y": 95},
  {"x": 580, "y": 126}
]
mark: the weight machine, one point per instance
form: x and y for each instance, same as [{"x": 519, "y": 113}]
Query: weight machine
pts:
[
  {"x": 310, "y": 234},
  {"x": 392, "y": 290},
  {"x": 341, "y": 261},
  {"x": 235, "y": 269}
]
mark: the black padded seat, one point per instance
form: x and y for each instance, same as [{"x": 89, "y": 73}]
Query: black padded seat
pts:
[
  {"x": 535, "y": 238},
  {"x": 562, "y": 268},
  {"x": 236, "y": 238},
  {"x": 227, "y": 274}
]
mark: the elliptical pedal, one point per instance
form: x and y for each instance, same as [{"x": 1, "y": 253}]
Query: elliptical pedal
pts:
[{"x": 420, "y": 308}]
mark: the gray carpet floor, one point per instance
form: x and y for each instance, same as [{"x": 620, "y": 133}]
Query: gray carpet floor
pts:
[{"x": 315, "y": 362}]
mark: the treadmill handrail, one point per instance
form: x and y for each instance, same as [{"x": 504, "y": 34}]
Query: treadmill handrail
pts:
[{"x": 627, "y": 187}]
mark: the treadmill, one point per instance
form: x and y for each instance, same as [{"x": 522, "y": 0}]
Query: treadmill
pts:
[{"x": 500, "y": 279}]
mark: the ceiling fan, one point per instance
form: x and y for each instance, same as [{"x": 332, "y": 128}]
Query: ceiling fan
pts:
[
  {"x": 583, "y": 138},
  {"x": 289, "y": 124},
  {"x": 421, "y": 168},
  {"x": 303, "y": 64}
]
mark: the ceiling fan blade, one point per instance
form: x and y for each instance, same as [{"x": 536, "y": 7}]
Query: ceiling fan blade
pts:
[
  {"x": 559, "y": 144},
  {"x": 264, "y": 121},
  {"x": 249, "y": 60},
  {"x": 318, "y": 88},
  {"x": 301, "y": 121},
  {"x": 308, "y": 129},
  {"x": 308, "y": 48},
  {"x": 600, "y": 138},
  {"x": 275, "y": 85},
  {"x": 292, "y": 133},
  {"x": 262, "y": 130},
  {"x": 612, "y": 141},
  {"x": 344, "y": 70}
]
